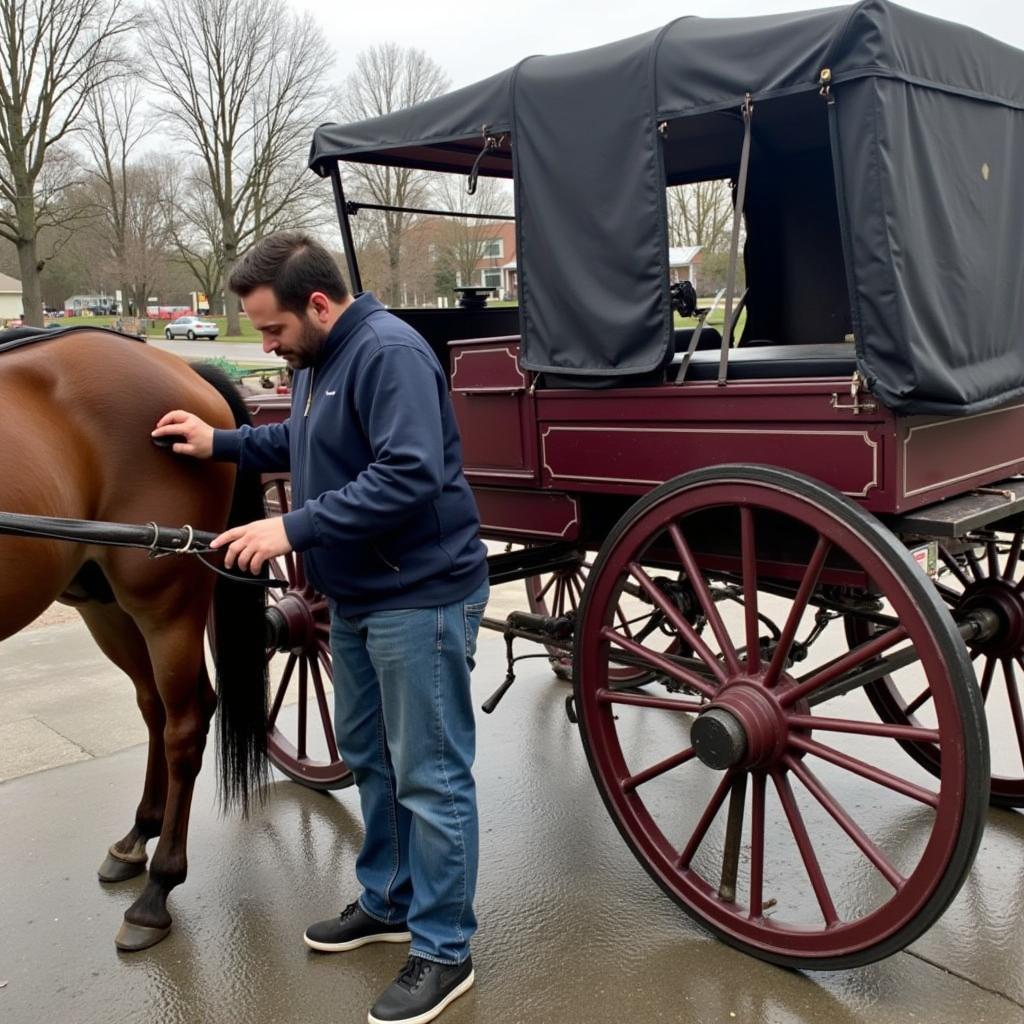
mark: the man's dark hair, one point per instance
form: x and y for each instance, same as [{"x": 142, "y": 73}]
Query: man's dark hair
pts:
[{"x": 294, "y": 265}]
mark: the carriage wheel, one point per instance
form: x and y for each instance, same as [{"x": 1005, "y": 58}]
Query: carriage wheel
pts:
[
  {"x": 741, "y": 795},
  {"x": 561, "y": 593},
  {"x": 990, "y": 576},
  {"x": 305, "y": 750}
]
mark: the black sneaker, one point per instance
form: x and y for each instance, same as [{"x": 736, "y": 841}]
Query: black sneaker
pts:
[
  {"x": 352, "y": 928},
  {"x": 422, "y": 991}
]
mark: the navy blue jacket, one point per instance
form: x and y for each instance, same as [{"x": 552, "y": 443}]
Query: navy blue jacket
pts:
[{"x": 380, "y": 507}]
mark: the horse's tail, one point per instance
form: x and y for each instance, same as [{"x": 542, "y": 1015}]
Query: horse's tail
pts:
[{"x": 239, "y": 652}]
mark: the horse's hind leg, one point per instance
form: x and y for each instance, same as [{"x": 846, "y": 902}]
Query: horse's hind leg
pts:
[
  {"x": 188, "y": 701},
  {"x": 119, "y": 638}
]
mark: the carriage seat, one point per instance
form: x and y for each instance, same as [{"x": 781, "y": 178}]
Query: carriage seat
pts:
[
  {"x": 754, "y": 362},
  {"x": 710, "y": 339},
  {"x": 762, "y": 362}
]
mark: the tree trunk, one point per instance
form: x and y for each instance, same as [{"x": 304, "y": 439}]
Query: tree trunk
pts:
[
  {"x": 234, "y": 326},
  {"x": 31, "y": 288}
]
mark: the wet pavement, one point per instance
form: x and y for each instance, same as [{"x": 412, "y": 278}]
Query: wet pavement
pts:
[{"x": 571, "y": 928}]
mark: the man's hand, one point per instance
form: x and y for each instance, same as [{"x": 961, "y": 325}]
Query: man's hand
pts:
[
  {"x": 197, "y": 434},
  {"x": 253, "y": 544}
]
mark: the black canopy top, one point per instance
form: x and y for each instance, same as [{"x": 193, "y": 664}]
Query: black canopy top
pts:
[{"x": 911, "y": 174}]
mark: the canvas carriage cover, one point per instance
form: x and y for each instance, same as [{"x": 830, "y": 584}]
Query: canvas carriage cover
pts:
[{"x": 927, "y": 152}]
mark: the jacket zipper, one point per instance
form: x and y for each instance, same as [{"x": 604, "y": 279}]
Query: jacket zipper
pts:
[
  {"x": 305, "y": 436},
  {"x": 390, "y": 565}
]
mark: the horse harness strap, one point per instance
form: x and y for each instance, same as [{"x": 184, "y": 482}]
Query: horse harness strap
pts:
[
  {"x": 159, "y": 541},
  {"x": 19, "y": 337}
]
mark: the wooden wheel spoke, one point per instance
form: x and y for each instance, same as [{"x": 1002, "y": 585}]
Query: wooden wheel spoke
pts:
[
  {"x": 660, "y": 663},
  {"x": 733, "y": 839},
  {"x": 701, "y": 829},
  {"x": 325, "y": 715},
  {"x": 948, "y": 594},
  {"x": 558, "y": 598},
  {"x": 988, "y": 673},
  {"x": 281, "y": 497},
  {"x": 572, "y": 590},
  {"x": 625, "y": 624},
  {"x": 954, "y": 567},
  {"x": 860, "y": 839},
  {"x": 675, "y": 618},
  {"x": 547, "y": 586},
  {"x": 859, "y": 656},
  {"x": 803, "y": 595},
  {"x": 707, "y": 603},
  {"x": 918, "y": 702},
  {"x": 630, "y": 783},
  {"x": 806, "y": 848},
  {"x": 913, "y": 733},
  {"x": 976, "y": 570},
  {"x": 1013, "y": 556},
  {"x": 748, "y": 558},
  {"x": 282, "y": 687},
  {"x": 303, "y": 710},
  {"x": 865, "y": 771},
  {"x": 644, "y": 700},
  {"x": 757, "y": 847},
  {"x": 992, "y": 553},
  {"x": 1013, "y": 692}
]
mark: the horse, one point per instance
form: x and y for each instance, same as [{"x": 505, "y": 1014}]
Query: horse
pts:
[{"x": 78, "y": 409}]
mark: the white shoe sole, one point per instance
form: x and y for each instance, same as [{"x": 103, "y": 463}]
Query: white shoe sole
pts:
[
  {"x": 422, "y": 1018},
  {"x": 364, "y": 940}
]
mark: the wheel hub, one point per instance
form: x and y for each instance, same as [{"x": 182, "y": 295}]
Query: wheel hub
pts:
[
  {"x": 744, "y": 726},
  {"x": 290, "y": 623},
  {"x": 1003, "y": 599}
]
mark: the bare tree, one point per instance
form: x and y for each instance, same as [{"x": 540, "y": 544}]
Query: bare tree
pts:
[
  {"x": 116, "y": 127},
  {"x": 195, "y": 227},
  {"x": 53, "y": 55},
  {"x": 242, "y": 86},
  {"x": 463, "y": 242},
  {"x": 701, "y": 214},
  {"x": 388, "y": 77}
]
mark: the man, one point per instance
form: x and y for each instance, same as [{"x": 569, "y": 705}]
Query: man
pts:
[{"x": 387, "y": 527}]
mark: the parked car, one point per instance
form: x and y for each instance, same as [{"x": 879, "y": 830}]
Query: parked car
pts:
[{"x": 191, "y": 327}]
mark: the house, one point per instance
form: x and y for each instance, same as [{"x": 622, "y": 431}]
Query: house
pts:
[
  {"x": 496, "y": 267},
  {"x": 77, "y": 305},
  {"x": 683, "y": 263},
  {"x": 10, "y": 298}
]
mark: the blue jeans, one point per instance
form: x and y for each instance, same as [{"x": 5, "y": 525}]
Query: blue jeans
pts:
[{"x": 404, "y": 723}]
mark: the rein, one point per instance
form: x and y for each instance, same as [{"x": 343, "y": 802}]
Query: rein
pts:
[{"x": 159, "y": 541}]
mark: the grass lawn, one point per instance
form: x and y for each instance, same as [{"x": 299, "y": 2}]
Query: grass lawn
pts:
[{"x": 156, "y": 327}]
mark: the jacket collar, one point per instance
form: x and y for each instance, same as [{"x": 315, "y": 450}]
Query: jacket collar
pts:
[{"x": 348, "y": 323}]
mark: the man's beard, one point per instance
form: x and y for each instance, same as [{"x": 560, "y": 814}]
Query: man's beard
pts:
[{"x": 307, "y": 348}]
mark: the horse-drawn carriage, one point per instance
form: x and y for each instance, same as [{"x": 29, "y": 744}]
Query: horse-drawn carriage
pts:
[{"x": 782, "y": 562}]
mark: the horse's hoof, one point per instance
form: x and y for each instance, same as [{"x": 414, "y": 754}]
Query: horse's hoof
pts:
[
  {"x": 133, "y": 937},
  {"x": 113, "y": 869}
]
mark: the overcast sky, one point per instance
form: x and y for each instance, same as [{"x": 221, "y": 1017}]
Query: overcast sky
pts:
[{"x": 473, "y": 41}]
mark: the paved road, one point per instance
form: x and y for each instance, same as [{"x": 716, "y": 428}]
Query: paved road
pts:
[
  {"x": 572, "y": 929},
  {"x": 238, "y": 352}
]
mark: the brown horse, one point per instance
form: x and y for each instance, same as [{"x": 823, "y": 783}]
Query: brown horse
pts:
[{"x": 77, "y": 411}]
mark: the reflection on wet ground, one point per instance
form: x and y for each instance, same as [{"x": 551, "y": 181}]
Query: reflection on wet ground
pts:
[{"x": 572, "y": 929}]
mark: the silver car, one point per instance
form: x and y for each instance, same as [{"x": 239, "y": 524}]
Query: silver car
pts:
[{"x": 191, "y": 327}]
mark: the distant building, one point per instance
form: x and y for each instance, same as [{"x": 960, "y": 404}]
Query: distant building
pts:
[
  {"x": 496, "y": 267},
  {"x": 683, "y": 262},
  {"x": 11, "y": 307},
  {"x": 79, "y": 304}
]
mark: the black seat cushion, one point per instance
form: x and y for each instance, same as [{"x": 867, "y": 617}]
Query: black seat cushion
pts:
[{"x": 766, "y": 361}]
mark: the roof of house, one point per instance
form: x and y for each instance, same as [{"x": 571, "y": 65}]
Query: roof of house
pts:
[
  {"x": 9, "y": 285},
  {"x": 682, "y": 255}
]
